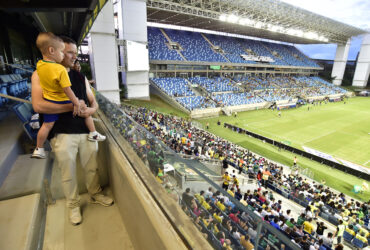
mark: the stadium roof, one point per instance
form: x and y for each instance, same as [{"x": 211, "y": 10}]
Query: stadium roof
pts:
[
  {"x": 269, "y": 19},
  {"x": 63, "y": 17}
]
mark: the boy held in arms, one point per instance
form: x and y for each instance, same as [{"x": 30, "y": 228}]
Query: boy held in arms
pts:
[{"x": 56, "y": 88}]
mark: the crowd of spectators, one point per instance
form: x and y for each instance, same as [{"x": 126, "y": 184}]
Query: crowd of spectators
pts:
[
  {"x": 217, "y": 214},
  {"x": 224, "y": 223}
]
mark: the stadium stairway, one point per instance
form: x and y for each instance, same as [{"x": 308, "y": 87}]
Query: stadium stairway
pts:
[
  {"x": 212, "y": 45},
  {"x": 195, "y": 90},
  {"x": 290, "y": 52},
  {"x": 235, "y": 84},
  {"x": 21, "y": 189},
  {"x": 271, "y": 51},
  {"x": 169, "y": 40}
]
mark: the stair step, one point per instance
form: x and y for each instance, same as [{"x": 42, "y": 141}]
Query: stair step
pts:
[
  {"x": 9, "y": 147},
  {"x": 101, "y": 228},
  {"x": 206, "y": 38},
  {"x": 25, "y": 177},
  {"x": 20, "y": 222},
  {"x": 169, "y": 40}
]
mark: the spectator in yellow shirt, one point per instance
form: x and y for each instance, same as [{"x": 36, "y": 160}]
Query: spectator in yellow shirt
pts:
[
  {"x": 231, "y": 192},
  {"x": 307, "y": 226},
  {"x": 362, "y": 238},
  {"x": 226, "y": 181},
  {"x": 217, "y": 216},
  {"x": 220, "y": 205},
  {"x": 349, "y": 230},
  {"x": 235, "y": 182},
  {"x": 205, "y": 204}
]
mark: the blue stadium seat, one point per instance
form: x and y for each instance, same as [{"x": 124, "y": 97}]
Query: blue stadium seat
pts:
[
  {"x": 158, "y": 49},
  {"x": 174, "y": 86},
  {"x": 358, "y": 243},
  {"x": 23, "y": 111},
  {"x": 347, "y": 236},
  {"x": 3, "y": 91},
  {"x": 195, "y": 47}
]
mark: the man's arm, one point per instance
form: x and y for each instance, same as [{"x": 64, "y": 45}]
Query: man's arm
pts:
[
  {"x": 40, "y": 105},
  {"x": 76, "y": 104},
  {"x": 89, "y": 111}
]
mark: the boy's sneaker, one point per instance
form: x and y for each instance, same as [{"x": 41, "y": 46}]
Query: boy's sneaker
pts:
[
  {"x": 95, "y": 136},
  {"x": 39, "y": 153}
]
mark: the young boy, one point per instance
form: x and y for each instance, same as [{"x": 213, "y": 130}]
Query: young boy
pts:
[{"x": 56, "y": 88}]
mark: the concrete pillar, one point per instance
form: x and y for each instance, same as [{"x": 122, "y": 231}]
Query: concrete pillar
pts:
[
  {"x": 134, "y": 56},
  {"x": 340, "y": 62},
  {"x": 104, "y": 54},
  {"x": 361, "y": 76}
]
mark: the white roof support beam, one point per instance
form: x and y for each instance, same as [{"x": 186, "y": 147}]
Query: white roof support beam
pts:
[
  {"x": 340, "y": 62},
  {"x": 362, "y": 71}
]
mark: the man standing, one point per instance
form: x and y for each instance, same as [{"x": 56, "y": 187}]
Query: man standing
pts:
[
  {"x": 339, "y": 232},
  {"x": 265, "y": 176},
  {"x": 69, "y": 136},
  {"x": 295, "y": 160}
]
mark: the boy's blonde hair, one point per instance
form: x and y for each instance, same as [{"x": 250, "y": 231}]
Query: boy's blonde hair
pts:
[{"x": 45, "y": 40}]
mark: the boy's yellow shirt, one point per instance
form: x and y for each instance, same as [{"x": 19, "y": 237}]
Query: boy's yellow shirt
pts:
[{"x": 53, "y": 78}]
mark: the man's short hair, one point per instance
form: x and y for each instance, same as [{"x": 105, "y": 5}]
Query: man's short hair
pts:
[
  {"x": 68, "y": 40},
  {"x": 45, "y": 40}
]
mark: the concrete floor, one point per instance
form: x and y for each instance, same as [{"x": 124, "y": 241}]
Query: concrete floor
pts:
[
  {"x": 17, "y": 222},
  {"x": 101, "y": 228}
]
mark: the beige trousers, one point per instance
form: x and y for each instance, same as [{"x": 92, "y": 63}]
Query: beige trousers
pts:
[{"x": 66, "y": 148}]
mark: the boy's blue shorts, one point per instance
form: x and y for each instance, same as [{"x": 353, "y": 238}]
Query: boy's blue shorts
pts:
[{"x": 53, "y": 117}]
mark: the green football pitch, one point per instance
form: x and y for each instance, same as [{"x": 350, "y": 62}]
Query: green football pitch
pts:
[{"x": 338, "y": 129}]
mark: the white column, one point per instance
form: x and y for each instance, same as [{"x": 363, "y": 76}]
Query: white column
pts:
[
  {"x": 104, "y": 55},
  {"x": 361, "y": 76},
  {"x": 340, "y": 62},
  {"x": 132, "y": 27}
]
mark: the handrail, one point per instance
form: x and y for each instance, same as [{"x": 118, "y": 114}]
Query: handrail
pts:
[
  {"x": 12, "y": 65},
  {"x": 15, "y": 98}
]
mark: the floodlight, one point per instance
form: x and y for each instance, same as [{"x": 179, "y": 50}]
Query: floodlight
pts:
[
  {"x": 299, "y": 33},
  {"x": 245, "y": 21},
  {"x": 291, "y": 32},
  {"x": 258, "y": 24},
  {"x": 274, "y": 28},
  {"x": 222, "y": 17},
  {"x": 232, "y": 18},
  {"x": 311, "y": 35}
]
